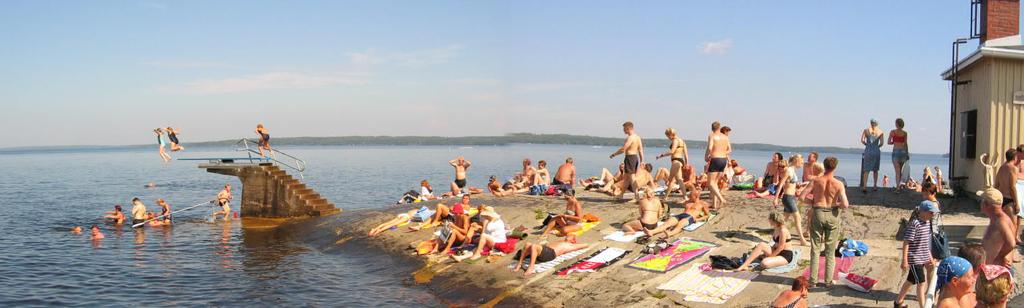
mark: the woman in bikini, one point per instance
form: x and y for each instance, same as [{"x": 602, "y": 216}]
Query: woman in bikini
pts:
[
  {"x": 264, "y": 142},
  {"x": 871, "y": 138},
  {"x": 569, "y": 221},
  {"x": 676, "y": 150},
  {"x": 772, "y": 256},
  {"x": 650, "y": 213},
  {"x": 900, "y": 152},
  {"x": 160, "y": 142},
  {"x": 172, "y": 134},
  {"x": 787, "y": 193},
  {"x": 795, "y": 297},
  {"x": 401, "y": 218},
  {"x": 771, "y": 170}
]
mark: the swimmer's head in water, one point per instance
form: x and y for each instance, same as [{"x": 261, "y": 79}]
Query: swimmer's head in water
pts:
[
  {"x": 94, "y": 228},
  {"x": 117, "y": 207}
]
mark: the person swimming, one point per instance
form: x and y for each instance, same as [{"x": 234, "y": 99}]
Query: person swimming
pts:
[
  {"x": 76, "y": 230},
  {"x": 165, "y": 211},
  {"x": 116, "y": 216},
  {"x": 96, "y": 234}
]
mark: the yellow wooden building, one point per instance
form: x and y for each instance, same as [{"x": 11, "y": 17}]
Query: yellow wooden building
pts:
[{"x": 987, "y": 111}]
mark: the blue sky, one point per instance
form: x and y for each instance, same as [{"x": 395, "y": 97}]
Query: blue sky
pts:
[{"x": 792, "y": 73}]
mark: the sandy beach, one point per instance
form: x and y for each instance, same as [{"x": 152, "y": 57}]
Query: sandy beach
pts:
[{"x": 872, "y": 218}]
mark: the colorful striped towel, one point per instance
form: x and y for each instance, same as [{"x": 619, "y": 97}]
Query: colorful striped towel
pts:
[
  {"x": 702, "y": 284},
  {"x": 542, "y": 267},
  {"x": 680, "y": 252},
  {"x": 598, "y": 260}
]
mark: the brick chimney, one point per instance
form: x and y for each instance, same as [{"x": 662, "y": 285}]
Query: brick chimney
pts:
[{"x": 1000, "y": 22}]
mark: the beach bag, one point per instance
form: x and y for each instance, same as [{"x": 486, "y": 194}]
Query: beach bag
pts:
[
  {"x": 551, "y": 191},
  {"x": 940, "y": 243},
  {"x": 853, "y": 248},
  {"x": 536, "y": 190},
  {"x": 723, "y": 263},
  {"x": 857, "y": 282},
  {"x": 423, "y": 214}
]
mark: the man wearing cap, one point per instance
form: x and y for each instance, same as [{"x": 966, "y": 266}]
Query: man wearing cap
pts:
[
  {"x": 956, "y": 280},
  {"x": 917, "y": 252},
  {"x": 998, "y": 240}
]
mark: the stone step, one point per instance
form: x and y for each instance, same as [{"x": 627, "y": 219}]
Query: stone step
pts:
[
  {"x": 317, "y": 201},
  {"x": 301, "y": 192},
  {"x": 310, "y": 196}
]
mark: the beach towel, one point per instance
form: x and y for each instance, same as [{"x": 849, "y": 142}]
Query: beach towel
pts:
[
  {"x": 680, "y": 252},
  {"x": 698, "y": 224},
  {"x": 620, "y": 236},
  {"x": 1019, "y": 186},
  {"x": 395, "y": 227},
  {"x": 596, "y": 261},
  {"x": 542, "y": 267},
  {"x": 584, "y": 227},
  {"x": 842, "y": 265},
  {"x": 788, "y": 267},
  {"x": 705, "y": 285}
]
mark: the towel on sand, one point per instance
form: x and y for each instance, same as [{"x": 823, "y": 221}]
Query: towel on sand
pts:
[
  {"x": 680, "y": 252},
  {"x": 620, "y": 236},
  {"x": 788, "y": 267},
  {"x": 842, "y": 265},
  {"x": 598, "y": 260},
  {"x": 699, "y": 224},
  {"x": 702, "y": 284},
  {"x": 541, "y": 267},
  {"x": 584, "y": 227}
]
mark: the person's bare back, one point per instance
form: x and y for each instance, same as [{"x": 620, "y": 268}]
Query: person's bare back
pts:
[
  {"x": 720, "y": 146},
  {"x": 827, "y": 191},
  {"x": 566, "y": 172}
]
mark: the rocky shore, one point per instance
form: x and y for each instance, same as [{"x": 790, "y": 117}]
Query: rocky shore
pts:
[{"x": 873, "y": 219}]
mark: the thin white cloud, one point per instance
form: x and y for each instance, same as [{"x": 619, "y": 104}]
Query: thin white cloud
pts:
[
  {"x": 720, "y": 47},
  {"x": 417, "y": 58},
  {"x": 186, "y": 64},
  {"x": 266, "y": 81}
]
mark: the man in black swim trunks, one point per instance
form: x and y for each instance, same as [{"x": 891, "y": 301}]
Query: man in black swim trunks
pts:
[
  {"x": 566, "y": 174},
  {"x": 461, "y": 165},
  {"x": 543, "y": 253},
  {"x": 717, "y": 156},
  {"x": 634, "y": 150}
]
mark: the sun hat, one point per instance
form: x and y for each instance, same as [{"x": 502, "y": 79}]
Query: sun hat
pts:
[
  {"x": 489, "y": 212},
  {"x": 458, "y": 209},
  {"x": 952, "y": 267},
  {"x": 991, "y": 196},
  {"x": 928, "y": 205}
]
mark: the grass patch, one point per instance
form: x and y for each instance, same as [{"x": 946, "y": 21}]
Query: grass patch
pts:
[
  {"x": 539, "y": 214},
  {"x": 659, "y": 294}
]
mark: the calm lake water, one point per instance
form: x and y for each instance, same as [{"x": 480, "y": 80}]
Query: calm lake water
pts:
[{"x": 200, "y": 263}]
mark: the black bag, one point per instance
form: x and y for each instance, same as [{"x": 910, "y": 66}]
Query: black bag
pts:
[
  {"x": 723, "y": 263},
  {"x": 940, "y": 243}
]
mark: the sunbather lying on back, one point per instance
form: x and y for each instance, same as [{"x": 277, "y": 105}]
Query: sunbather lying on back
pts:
[
  {"x": 543, "y": 253},
  {"x": 399, "y": 219},
  {"x": 695, "y": 210}
]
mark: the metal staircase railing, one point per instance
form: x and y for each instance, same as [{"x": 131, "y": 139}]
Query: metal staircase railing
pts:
[{"x": 251, "y": 148}]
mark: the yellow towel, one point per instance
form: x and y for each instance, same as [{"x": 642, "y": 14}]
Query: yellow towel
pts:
[{"x": 583, "y": 228}]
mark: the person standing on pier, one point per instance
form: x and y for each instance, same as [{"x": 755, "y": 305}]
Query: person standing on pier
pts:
[{"x": 264, "y": 142}]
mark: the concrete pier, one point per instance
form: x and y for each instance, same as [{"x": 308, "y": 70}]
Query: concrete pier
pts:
[{"x": 269, "y": 192}]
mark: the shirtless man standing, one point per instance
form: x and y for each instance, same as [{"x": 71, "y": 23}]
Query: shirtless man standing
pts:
[
  {"x": 461, "y": 165},
  {"x": 694, "y": 210},
  {"x": 566, "y": 174},
  {"x": 998, "y": 239},
  {"x": 650, "y": 214},
  {"x": 1005, "y": 180},
  {"x": 717, "y": 156},
  {"x": 829, "y": 200},
  {"x": 224, "y": 200},
  {"x": 634, "y": 150},
  {"x": 809, "y": 167}
]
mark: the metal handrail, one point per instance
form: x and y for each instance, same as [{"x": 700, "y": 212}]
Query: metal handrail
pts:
[{"x": 297, "y": 164}]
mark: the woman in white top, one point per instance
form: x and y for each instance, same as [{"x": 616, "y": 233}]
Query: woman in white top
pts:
[
  {"x": 426, "y": 192},
  {"x": 493, "y": 234}
]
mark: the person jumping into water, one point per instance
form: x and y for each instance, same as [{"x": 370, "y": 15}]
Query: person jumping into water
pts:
[
  {"x": 717, "y": 156},
  {"x": 160, "y": 142},
  {"x": 264, "y": 142},
  {"x": 172, "y": 135},
  {"x": 224, "y": 200},
  {"x": 634, "y": 150}
]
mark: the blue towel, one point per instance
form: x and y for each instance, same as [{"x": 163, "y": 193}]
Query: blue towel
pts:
[{"x": 788, "y": 267}]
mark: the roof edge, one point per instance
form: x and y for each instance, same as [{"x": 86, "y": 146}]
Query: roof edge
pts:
[{"x": 996, "y": 52}]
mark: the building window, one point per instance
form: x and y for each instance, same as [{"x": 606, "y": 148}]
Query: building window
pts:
[{"x": 969, "y": 134}]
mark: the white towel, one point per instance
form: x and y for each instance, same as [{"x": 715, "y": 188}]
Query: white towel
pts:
[
  {"x": 541, "y": 267},
  {"x": 620, "y": 236},
  {"x": 607, "y": 255}
]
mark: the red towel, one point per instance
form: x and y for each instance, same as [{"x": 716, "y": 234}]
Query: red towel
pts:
[{"x": 508, "y": 246}]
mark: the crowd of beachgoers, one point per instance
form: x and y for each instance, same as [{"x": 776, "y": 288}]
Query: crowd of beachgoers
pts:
[{"x": 978, "y": 275}]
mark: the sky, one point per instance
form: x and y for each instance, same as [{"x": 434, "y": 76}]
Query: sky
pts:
[{"x": 798, "y": 73}]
